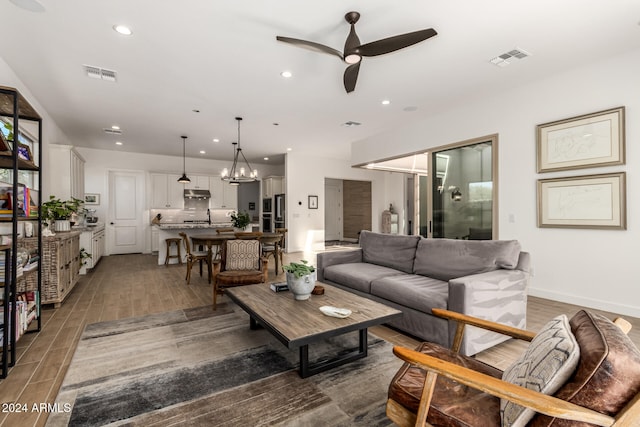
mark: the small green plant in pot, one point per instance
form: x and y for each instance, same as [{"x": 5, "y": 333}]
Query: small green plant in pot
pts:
[
  {"x": 301, "y": 279},
  {"x": 60, "y": 211},
  {"x": 240, "y": 220}
]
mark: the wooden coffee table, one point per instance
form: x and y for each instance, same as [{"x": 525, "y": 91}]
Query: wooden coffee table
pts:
[{"x": 296, "y": 324}]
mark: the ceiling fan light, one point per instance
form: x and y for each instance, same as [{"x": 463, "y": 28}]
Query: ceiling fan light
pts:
[{"x": 352, "y": 58}]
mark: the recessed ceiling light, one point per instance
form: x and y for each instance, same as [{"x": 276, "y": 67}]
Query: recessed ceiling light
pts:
[
  {"x": 286, "y": 74},
  {"x": 289, "y": 149},
  {"x": 118, "y": 143},
  {"x": 203, "y": 152},
  {"x": 216, "y": 140},
  {"x": 266, "y": 158},
  {"x": 123, "y": 29},
  {"x": 386, "y": 102},
  {"x": 115, "y": 127}
]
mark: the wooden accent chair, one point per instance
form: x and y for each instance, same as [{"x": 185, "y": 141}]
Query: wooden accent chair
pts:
[
  {"x": 440, "y": 387},
  {"x": 194, "y": 257},
  {"x": 275, "y": 248},
  {"x": 241, "y": 263}
]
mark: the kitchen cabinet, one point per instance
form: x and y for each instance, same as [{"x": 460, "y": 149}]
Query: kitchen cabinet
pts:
[
  {"x": 198, "y": 182},
  {"x": 93, "y": 242},
  {"x": 223, "y": 195},
  {"x": 66, "y": 175},
  {"x": 166, "y": 191},
  {"x": 271, "y": 186}
]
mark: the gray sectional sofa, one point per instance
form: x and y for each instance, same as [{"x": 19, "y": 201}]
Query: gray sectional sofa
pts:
[{"x": 481, "y": 278}]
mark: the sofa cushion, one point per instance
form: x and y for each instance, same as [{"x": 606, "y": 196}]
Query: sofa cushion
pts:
[
  {"x": 550, "y": 359},
  {"x": 453, "y": 404},
  {"x": 447, "y": 259},
  {"x": 357, "y": 275},
  {"x": 608, "y": 374},
  {"x": 389, "y": 250},
  {"x": 413, "y": 291}
]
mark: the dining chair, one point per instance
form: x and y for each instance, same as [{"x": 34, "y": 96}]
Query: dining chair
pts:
[
  {"x": 193, "y": 257},
  {"x": 275, "y": 247},
  {"x": 241, "y": 263},
  {"x": 248, "y": 234}
]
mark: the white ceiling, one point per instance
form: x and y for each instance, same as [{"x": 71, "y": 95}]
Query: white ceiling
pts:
[{"x": 222, "y": 58}]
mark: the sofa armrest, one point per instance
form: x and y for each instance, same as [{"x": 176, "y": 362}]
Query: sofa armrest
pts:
[
  {"x": 499, "y": 296},
  {"x": 325, "y": 259}
]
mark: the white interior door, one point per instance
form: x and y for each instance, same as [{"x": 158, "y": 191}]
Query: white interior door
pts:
[{"x": 126, "y": 206}]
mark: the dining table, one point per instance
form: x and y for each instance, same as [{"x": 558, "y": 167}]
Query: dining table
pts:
[{"x": 211, "y": 240}]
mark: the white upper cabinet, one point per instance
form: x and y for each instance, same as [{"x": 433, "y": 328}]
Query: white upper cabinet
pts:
[
  {"x": 167, "y": 192},
  {"x": 66, "y": 172},
  {"x": 272, "y": 185},
  {"x": 223, "y": 195},
  {"x": 198, "y": 182}
]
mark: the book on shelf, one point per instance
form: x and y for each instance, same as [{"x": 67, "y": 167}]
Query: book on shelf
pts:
[{"x": 279, "y": 287}]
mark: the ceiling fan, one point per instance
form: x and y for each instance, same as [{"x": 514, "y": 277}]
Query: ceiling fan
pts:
[{"x": 354, "y": 51}]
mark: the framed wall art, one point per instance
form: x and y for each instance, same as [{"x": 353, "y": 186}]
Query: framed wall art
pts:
[
  {"x": 589, "y": 201},
  {"x": 590, "y": 140},
  {"x": 24, "y": 152},
  {"x": 313, "y": 202},
  {"x": 91, "y": 199}
]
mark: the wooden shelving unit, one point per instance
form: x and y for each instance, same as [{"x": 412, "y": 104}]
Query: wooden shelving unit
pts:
[{"x": 18, "y": 173}]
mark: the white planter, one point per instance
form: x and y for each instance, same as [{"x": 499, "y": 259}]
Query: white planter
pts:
[
  {"x": 301, "y": 287},
  {"x": 62, "y": 225}
]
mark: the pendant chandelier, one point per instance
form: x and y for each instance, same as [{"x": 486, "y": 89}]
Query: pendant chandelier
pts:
[
  {"x": 184, "y": 179},
  {"x": 238, "y": 173}
]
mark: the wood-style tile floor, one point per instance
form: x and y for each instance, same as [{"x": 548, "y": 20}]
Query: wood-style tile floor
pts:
[{"x": 134, "y": 285}]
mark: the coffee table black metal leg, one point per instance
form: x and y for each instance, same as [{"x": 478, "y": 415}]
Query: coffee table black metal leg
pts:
[
  {"x": 253, "y": 324},
  {"x": 307, "y": 369}
]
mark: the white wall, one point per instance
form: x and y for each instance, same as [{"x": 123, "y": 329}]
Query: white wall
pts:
[
  {"x": 594, "y": 268},
  {"x": 305, "y": 177}
]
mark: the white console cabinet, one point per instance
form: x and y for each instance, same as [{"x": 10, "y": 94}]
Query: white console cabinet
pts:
[{"x": 92, "y": 241}]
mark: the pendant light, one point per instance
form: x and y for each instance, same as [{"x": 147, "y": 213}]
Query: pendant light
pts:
[
  {"x": 184, "y": 179},
  {"x": 238, "y": 174}
]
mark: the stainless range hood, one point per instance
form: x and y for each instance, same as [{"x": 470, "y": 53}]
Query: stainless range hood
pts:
[{"x": 197, "y": 194}]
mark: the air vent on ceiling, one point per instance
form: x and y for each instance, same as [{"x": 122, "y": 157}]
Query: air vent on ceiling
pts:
[
  {"x": 351, "y": 123},
  {"x": 505, "y": 59},
  {"x": 112, "y": 131},
  {"x": 100, "y": 73}
]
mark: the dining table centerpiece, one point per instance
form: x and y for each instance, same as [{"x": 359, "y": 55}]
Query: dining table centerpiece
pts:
[
  {"x": 240, "y": 220},
  {"x": 301, "y": 279}
]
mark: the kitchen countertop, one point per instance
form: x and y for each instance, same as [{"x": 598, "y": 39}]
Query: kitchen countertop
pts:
[{"x": 191, "y": 225}]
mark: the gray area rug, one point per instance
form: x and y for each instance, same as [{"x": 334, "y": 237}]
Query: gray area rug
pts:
[{"x": 198, "y": 367}]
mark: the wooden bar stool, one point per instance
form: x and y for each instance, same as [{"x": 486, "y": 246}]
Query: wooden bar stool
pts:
[{"x": 169, "y": 242}]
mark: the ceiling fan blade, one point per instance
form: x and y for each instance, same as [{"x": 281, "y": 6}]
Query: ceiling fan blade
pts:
[
  {"x": 391, "y": 44},
  {"x": 305, "y": 44},
  {"x": 351, "y": 77}
]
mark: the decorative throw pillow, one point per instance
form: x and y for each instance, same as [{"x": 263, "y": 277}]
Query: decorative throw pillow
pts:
[
  {"x": 550, "y": 359},
  {"x": 242, "y": 255}
]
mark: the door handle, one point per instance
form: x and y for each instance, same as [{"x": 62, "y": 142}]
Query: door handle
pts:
[{"x": 111, "y": 223}]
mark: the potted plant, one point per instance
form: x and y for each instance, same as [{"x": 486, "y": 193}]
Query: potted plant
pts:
[
  {"x": 59, "y": 211},
  {"x": 240, "y": 220},
  {"x": 301, "y": 279}
]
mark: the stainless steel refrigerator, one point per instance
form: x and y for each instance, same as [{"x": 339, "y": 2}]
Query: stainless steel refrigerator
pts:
[{"x": 279, "y": 212}]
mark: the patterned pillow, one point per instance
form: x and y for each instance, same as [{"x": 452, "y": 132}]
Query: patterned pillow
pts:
[
  {"x": 549, "y": 361},
  {"x": 242, "y": 255}
]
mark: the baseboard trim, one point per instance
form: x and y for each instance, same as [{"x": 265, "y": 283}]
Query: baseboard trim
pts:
[{"x": 621, "y": 309}]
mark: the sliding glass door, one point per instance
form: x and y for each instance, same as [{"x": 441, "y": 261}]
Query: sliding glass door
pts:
[{"x": 462, "y": 192}]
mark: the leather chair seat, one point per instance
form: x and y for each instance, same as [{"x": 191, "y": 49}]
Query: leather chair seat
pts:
[
  {"x": 237, "y": 278},
  {"x": 453, "y": 404}
]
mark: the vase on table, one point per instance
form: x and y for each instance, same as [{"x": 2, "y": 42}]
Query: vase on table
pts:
[{"x": 301, "y": 287}]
